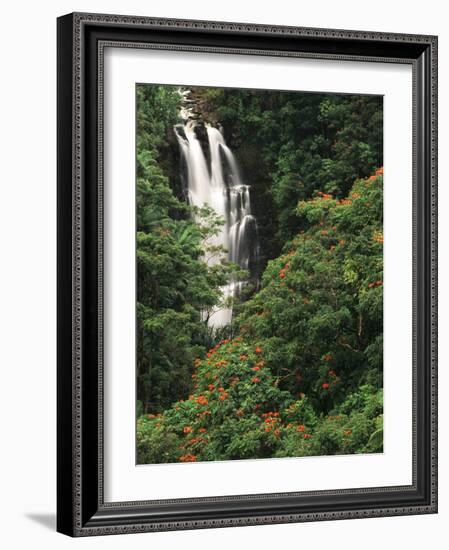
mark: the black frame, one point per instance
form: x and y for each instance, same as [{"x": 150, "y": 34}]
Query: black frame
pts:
[{"x": 81, "y": 510}]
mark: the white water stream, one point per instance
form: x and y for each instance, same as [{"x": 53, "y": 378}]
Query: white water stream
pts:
[{"x": 218, "y": 185}]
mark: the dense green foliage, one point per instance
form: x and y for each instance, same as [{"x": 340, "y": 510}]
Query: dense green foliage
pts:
[
  {"x": 300, "y": 372},
  {"x": 291, "y": 145},
  {"x": 320, "y": 308},
  {"x": 174, "y": 286},
  {"x": 237, "y": 411}
]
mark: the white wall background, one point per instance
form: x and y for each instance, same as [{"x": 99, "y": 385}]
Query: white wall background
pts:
[{"x": 28, "y": 267}]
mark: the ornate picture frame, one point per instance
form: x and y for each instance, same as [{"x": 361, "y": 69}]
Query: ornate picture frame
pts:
[{"x": 81, "y": 508}]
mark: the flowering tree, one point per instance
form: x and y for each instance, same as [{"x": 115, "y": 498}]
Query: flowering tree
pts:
[{"x": 304, "y": 375}]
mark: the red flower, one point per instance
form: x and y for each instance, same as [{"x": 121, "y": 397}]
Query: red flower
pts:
[
  {"x": 325, "y": 386},
  {"x": 255, "y": 380},
  {"x": 301, "y": 428},
  {"x": 307, "y": 436}
]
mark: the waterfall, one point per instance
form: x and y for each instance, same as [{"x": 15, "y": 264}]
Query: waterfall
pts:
[{"x": 216, "y": 182}]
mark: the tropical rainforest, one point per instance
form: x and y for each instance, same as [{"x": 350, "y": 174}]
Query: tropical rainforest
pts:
[{"x": 297, "y": 368}]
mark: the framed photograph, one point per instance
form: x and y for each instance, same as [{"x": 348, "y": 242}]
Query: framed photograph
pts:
[{"x": 246, "y": 274}]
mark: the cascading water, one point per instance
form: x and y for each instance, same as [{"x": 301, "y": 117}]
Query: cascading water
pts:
[{"x": 218, "y": 185}]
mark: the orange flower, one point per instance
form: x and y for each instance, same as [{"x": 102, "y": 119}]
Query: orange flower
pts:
[
  {"x": 301, "y": 428},
  {"x": 221, "y": 390},
  {"x": 223, "y": 396},
  {"x": 380, "y": 171},
  {"x": 377, "y": 283},
  {"x": 324, "y": 196},
  {"x": 307, "y": 436},
  {"x": 188, "y": 458},
  {"x": 277, "y": 432},
  {"x": 197, "y": 362},
  {"x": 201, "y": 400},
  {"x": 258, "y": 350},
  {"x": 378, "y": 237},
  {"x": 243, "y": 357},
  {"x": 187, "y": 429},
  {"x": 328, "y": 357},
  {"x": 211, "y": 387},
  {"x": 255, "y": 380},
  {"x": 202, "y": 430}
]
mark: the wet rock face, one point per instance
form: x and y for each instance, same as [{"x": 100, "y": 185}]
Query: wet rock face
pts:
[
  {"x": 200, "y": 130},
  {"x": 180, "y": 130}
]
